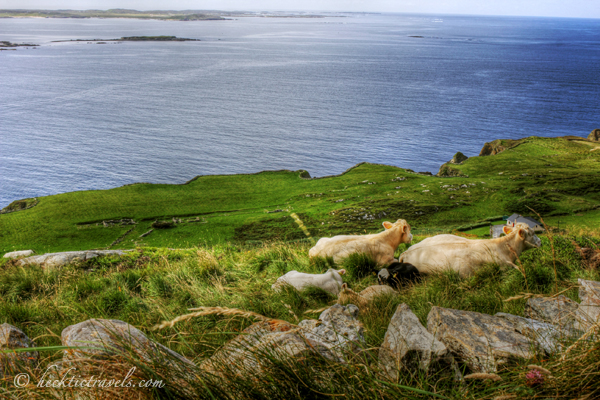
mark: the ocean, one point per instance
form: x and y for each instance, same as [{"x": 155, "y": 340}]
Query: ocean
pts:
[{"x": 320, "y": 94}]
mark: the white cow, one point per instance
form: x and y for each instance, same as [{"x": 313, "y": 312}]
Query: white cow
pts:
[
  {"x": 381, "y": 246},
  {"x": 465, "y": 255},
  {"x": 330, "y": 281}
]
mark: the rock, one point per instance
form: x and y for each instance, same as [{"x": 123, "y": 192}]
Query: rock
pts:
[
  {"x": 17, "y": 254},
  {"x": 13, "y": 338},
  {"x": 589, "y": 307},
  {"x": 105, "y": 338},
  {"x": 53, "y": 260},
  {"x": 481, "y": 341},
  {"x": 458, "y": 158},
  {"x": 447, "y": 171},
  {"x": 560, "y": 311},
  {"x": 595, "y": 135},
  {"x": 546, "y": 336},
  {"x": 337, "y": 329},
  {"x": 335, "y": 335},
  {"x": 498, "y": 146},
  {"x": 408, "y": 345}
]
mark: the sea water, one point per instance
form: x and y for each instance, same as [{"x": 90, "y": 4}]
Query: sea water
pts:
[{"x": 320, "y": 94}]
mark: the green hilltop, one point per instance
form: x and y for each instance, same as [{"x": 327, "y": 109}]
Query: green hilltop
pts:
[{"x": 556, "y": 177}]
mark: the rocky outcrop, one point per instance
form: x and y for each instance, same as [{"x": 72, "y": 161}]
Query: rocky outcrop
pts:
[
  {"x": 53, "y": 260},
  {"x": 102, "y": 339},
  {"x": 498, "y": 146},
  {"x": 546, "y": 336},
  {"x": 447, "y": 171},
  {"x": 589, "y": 308},
  {"x": 595, "y": 135},
  {"x": 560, "y": 311},
  {"x": 336, "y": 335},
  {"x": 481, "y": 341},
  {"x": 17, "y": 254},
  {"x": 13, "y": 338},
  {"x": 458, "y": 158},
  {"x": 408, "y": 345}
]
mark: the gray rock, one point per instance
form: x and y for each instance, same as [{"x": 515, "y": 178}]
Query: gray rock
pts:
[
  {"x": 546, "y": 336},
  {"x": 53, "y": 260},
  {"x": 595, "y": 135},
  {"x": 338, "y": 329},
  {"x": 13, "y": 338},
  {"x": 408, "y": 345},
  {"x": 17, "y": 254},
  {"x": 560, "y": 311},
  {"x": 589, "y": 308},
  {"x": 334, "y": 336},
  {"x": 481, "y": 341},
  {"x": 104, "y": 338}
]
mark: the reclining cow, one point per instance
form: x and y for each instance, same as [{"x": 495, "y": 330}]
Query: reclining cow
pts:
[
  {"x": 330, "y": 281},
  {"x": 465, "y": 256},
  {"x": 380, "y": 246}
]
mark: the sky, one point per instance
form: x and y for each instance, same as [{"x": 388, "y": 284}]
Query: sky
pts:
[{"x": 546, "y": 8}]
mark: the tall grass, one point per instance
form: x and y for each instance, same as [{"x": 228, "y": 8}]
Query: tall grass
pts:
[{"x": 150, "y": 286}]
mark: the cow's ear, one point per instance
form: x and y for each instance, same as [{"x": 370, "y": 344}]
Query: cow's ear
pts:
[
  {"x": 342, "y": 271},
  {"x": 405, "y": 228},
  {"x": 387, "y": 225},
  {"x": 344, "y": 286},
  {"x": 522, "y": 233},
  {"x": 507, "y": 230}
]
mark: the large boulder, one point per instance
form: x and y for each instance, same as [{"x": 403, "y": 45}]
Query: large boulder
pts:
[
  {"x": 336, "y": 335},
  {"x": 338, "y": 329},
  {"x": 546, "y": 336},
  {"x": 589, "y": 296},
  {"x": 595, "y": 135},
  {"x": 408, "y": 345},
  {"x": 102, "y": 339},
  {"x": 481, "y": 341},
  {"x": 13, "y": 338},
  {"x": 560, "y": 311},
  {"x": 17, "y": 254},
  {"x": 54, "y": 260}
]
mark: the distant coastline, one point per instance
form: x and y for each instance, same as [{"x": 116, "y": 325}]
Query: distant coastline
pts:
[{"x": 164, "y": 15}]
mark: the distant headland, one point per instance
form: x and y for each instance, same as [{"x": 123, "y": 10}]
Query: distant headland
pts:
[{"x": 166, "y": 15}]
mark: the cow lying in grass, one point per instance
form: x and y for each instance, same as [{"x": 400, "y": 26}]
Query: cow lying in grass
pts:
[
  {"x": 330, "y": 281},
  {"x": 465, "y": 256},
  {"x": 380, "y": 246}
]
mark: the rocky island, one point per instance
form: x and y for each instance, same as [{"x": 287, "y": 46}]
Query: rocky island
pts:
[{"x": 134, "y": 39}]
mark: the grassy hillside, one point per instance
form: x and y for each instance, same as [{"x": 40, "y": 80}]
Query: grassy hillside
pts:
[
  {"x": 555, "y": 176},
  {"x": 151, "y": 285}
]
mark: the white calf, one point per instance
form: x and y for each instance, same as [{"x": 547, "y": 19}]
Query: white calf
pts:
[{"x": 330, "y": 281}]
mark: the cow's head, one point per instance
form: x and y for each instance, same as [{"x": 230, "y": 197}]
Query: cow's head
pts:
[
  {"x": 524, "y": 233},
  {"x": 403, "y": 229}
]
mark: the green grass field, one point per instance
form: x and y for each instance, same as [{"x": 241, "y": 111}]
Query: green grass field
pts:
[
  {"x": 556, "y": 177},
  {"x": 227, "y": 247}
]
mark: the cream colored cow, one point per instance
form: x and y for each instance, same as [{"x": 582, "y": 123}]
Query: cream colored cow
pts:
[
  {"x": 381, "y": 246},
  {"x": 466, "y": 255}
]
